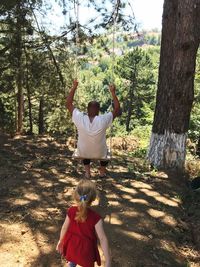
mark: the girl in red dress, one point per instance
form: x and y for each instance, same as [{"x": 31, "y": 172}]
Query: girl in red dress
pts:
[{"x": 82, "y": 227}]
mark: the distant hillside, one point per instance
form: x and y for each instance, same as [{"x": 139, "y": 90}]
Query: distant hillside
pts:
[{"x": 143, "y": 39}]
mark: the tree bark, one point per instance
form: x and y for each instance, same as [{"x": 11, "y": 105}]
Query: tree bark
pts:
[
  {"x": 130, "y": 106},
  {"x": 41, "y": 116},
  {"x": 198, "y": 147},
  {"x": 179, "y": 44},
  {"x": 20, "y": 98},
  {"x": 29, "y": 108},
  {"x": 130, "y": 100},
  {"x": 28, "y": 95}
]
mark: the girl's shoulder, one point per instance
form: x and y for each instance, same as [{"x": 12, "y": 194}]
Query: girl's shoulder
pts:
[
  {"x": 73, "y": 208},
  {"x": 71, "y": 211},
  {"x": 94, "y": 216}
]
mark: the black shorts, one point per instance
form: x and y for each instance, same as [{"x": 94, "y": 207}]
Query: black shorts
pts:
[{"x": 103, "y": 163}]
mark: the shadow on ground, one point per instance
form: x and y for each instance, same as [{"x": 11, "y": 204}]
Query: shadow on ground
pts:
[{"x": 148, "y": 219}]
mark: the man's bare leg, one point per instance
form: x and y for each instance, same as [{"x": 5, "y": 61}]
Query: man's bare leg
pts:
[
  {"x": 102, "y": 169},
  {"x": 87, "y": 171},
  {"x": 86, "y": 163}
]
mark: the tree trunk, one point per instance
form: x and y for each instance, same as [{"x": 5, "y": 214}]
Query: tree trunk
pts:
[
  {"x": 29, "y": 108},
  {"x": 16, "y": 112},
  {"x": 28, "y": 95},
  {"x": 20, "y": 98},
  {"x": 130, "y": 103},
  {"x": 198, "y": 147},
  {"x": 41, "y": 116},
  {"x": 129, "y": 114},
  {"x": 179, "y": 44}
]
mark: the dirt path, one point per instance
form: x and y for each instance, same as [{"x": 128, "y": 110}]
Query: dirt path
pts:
[{"x": 147, "y": 218}]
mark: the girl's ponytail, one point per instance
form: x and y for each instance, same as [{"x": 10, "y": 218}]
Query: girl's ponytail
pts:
[
  {"x": 81, "y": 214},
  {"x": 84, "y": 194}
]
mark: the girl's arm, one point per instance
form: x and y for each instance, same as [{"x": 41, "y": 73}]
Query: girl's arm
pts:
[
  {"x": 63, "y": 231},
  {"x": 104, "y": 242}
]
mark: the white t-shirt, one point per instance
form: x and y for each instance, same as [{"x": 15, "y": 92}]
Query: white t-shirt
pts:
[{"x": 91, "y": 135}]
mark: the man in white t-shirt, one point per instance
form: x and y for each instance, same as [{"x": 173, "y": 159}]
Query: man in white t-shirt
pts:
[{"x": 92, "y": 129}]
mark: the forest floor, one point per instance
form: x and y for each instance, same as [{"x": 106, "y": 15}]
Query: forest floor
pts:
[{"x": 151, "y": 218}]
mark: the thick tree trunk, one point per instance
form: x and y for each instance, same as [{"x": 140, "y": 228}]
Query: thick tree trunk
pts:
[
  {"x": 41, "y": 116},
  {"x": 167, "y": 150},
  {"x": 179, "y": 44}
]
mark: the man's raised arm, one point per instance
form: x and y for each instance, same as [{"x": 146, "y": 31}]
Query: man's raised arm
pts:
[
  {"x": 70, "y": 98},
  {"x": 116, "y": 111}
]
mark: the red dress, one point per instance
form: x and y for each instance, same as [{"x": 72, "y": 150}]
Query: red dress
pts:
[{"x": 80, "y": 241}]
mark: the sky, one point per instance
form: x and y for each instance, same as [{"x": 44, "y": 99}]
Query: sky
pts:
[{"x": 148, "y": 14}]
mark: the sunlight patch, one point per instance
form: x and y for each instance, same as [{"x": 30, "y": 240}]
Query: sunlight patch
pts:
[
  {"x": 135, "y": 235},
  {"x": 160, "y": 198},
  {"x": 156, "y": 213},
  {"x": 113, "y": 203},
  {"x": 21, "y": 201},
  {"x": 132, "y": 214},
  {"x": 141, "y": 185},
  {"x": 53, "y": 170},
  {"x": 169, "y": 220},
  {"x": 112, "y": 219},
  {"x": 139, "y": 201},
  {"x": 31, "y": 196},
  {"x": 126, "y": 196},
  {"x": 166, "y": 219}
]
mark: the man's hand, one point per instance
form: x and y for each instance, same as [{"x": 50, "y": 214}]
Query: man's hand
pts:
[
  {"x": 116, "y": 110},
  {"x": 112, "y": 88},
  {"x": 70, "y": 97},
  {"x": 75, "y": 84}
]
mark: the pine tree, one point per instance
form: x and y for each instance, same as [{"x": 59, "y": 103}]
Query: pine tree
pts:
[{"x": 179, "y": 44}]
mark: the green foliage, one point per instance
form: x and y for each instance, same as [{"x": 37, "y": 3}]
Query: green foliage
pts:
[
  {"x": 138, "y": 85},
  {"x": 7, "y": 111},
  {"x": 194, "y": 128},
  {"x": 47, "y": 69},
  {"x": 56, "y": 122},
  {"x": 142, "y": 133},
  {"x": 139, "y": 153}
]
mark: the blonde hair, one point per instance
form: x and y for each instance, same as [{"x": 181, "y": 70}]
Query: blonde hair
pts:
[{"x": 84, "y": 194}]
